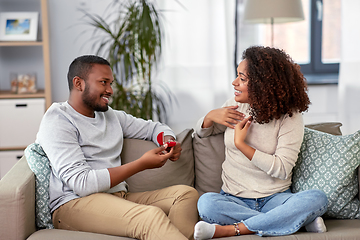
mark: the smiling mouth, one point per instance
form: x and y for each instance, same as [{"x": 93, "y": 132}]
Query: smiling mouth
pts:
[
  {"x": 106, "y": 99},
  {"x": 237, "y": 92}
]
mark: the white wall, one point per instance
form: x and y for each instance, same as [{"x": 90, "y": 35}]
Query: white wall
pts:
[
  {"x": 324, "y": 104},
  {"x": 67, "y": 40}
]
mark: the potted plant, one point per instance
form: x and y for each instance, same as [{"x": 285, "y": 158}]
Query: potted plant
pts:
[{"x": 132, "y": 43}]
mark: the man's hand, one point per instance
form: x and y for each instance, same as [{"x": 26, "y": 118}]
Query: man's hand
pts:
[
  {"x": 155, "y": 158},
  {"x": 227, "y": 116},
  {"x": 176, "y": 149}
]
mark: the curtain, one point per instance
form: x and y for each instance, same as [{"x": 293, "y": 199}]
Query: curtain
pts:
[
  {"x": 198, "y": 57},
  {"x": 349, "y": 75}
]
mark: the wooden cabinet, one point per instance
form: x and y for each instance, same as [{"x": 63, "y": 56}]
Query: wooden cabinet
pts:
[
  {"x": 7, "y": 160},
  {"x": 18, "y": 127},
  {"x": 21, "y": 113}
]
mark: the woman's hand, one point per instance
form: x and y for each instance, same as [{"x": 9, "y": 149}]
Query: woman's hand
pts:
[
  {"x": 241, "y": 130},
  {"x": 227, "y": 116}
]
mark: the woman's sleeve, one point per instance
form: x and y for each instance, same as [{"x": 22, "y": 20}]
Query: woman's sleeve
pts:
[
  {"x": 290, "y": 137},
  {"x": 205, "y": 132}
]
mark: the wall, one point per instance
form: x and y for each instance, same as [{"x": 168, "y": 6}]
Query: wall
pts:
[
  {"x": 324, "y": 104},
  {"x": 68, "y": 39}
]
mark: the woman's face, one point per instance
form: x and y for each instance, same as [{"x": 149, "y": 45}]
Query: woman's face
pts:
[{"x": 240, "y": 83}]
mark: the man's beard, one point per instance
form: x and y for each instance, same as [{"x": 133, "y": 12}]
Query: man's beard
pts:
[{"x": 90, "y": 101}]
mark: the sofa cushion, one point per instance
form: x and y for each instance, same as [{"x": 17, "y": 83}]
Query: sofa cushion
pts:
[
  {"x": 172, "y": 173},
  {"x": 209, "y": 154},
  {"x": 39, "y": 164},
  {"x": 328, "y": 127},
  {"x": 330, "y": 163}
]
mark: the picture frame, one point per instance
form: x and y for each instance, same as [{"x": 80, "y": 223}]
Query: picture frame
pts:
[{"x": 19, "y": 26}]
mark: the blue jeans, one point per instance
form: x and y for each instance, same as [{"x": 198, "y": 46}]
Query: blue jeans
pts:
[{"x": 276, "y": 215}]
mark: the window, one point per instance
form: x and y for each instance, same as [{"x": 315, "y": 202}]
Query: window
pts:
[{"x": 325, "y": 37}]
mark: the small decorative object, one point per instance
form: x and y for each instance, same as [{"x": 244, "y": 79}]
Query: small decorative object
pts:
[
  {"x": 13, "y": 82},
  {"x": 18, "y": 26},
  {"x": 26, "y": 83}
]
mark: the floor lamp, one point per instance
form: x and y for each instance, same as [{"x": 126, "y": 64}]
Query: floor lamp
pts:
[{"x": 273, "y": 11}]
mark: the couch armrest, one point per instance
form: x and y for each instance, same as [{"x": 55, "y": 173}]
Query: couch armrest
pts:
[{"x": 17, "y": 202}]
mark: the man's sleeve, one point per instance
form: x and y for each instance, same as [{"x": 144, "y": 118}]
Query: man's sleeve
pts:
[{"x": 142, "y": 129}]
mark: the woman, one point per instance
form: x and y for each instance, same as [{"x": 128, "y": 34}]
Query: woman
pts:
[{"x": 264, "y": 129}]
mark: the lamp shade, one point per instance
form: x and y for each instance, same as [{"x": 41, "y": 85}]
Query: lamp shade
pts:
[{"x": 278, "y": 11}]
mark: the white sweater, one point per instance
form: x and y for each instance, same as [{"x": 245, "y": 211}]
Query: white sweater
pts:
[
  {"x": 277, "y": 145},
  {"x": 80, "y": 149}
]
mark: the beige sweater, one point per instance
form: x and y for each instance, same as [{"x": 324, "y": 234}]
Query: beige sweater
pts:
[{"x": 277, "y": 145}]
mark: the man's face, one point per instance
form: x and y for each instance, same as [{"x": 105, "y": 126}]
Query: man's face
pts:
[{"x": 98, "y": 88}]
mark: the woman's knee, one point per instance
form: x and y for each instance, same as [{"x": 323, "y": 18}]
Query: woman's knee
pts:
[
  {"x": 207, "y": 203},
  {"x": 316, "y": 198},
  {"x": 321, "y": 198}
]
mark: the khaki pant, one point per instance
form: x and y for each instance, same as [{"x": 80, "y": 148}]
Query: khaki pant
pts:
[{"x": 168, "y": 213}]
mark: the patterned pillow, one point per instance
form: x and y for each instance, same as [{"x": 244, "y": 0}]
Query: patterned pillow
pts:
[
  {"x": 329, "y": 163},
  {"x": 39, "y": 164}
]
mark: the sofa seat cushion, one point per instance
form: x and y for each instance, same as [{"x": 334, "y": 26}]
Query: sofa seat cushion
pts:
[
  {"x": 59, "y": 234},
  {"x": 336, "y": 230},
  {"x": 330, "y": 163}
]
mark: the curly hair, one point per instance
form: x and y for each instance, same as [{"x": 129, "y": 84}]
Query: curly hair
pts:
[{"x": 276, "y": 85}]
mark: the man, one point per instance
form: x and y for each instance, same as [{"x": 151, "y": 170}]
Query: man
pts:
[{"x": 83, "y": 139}]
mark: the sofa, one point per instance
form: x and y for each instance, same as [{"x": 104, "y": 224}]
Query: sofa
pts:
[{"x": 199, "y": 166}]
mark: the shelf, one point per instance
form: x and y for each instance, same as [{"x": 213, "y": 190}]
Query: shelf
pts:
[
  {"x": 9, "y": 94},
  {"x": 20, "y": 43},
  {"x": 12, "y": 148}
]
